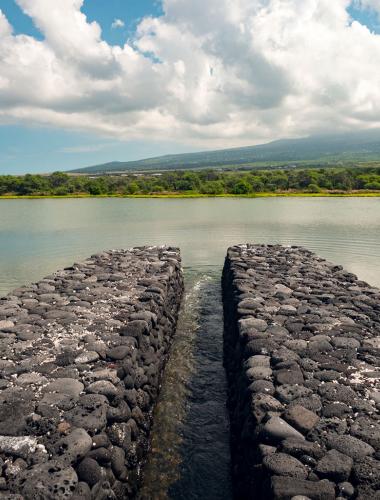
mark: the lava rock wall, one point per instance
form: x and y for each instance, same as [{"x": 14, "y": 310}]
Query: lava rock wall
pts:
[
  {"x": 302, "y": 353},
  {"x": 81, "y": 355}
]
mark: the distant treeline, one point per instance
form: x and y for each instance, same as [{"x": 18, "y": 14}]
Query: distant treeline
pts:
[{"x": 208, "y": 182}]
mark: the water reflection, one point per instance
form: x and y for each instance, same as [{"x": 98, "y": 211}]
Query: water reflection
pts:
[{"x": 39, "y": 236}]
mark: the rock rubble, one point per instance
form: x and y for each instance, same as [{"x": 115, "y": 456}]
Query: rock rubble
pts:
[
  {"x": 302, "y": 355},
  {"x": 81, "y": 355}
]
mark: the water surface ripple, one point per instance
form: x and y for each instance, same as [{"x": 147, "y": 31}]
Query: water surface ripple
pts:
[
  {"x": 190, "y": 456},
  {"x": 39, "y": 236}
]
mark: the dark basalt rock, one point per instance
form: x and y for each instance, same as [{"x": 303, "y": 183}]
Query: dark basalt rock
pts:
[
  {"x": 334, "y": 465},
  {"x": 82, "y": 353},
  {"x": 289, "y": 488},
  {"x": 47, "y": 481},
  {"x": 303, "y": 384},
  {"x": 285, "y": 465},
  {"x": 89, "y": 471}
]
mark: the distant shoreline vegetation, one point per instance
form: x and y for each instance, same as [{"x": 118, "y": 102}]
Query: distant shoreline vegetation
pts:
[{"x": 188, "y": 184}]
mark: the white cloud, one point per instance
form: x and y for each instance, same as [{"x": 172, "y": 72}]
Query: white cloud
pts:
[
  {"x": 118, "y": 23},
  {"x": 210, "y": 73},
  {"x": 369, "y": 4}
]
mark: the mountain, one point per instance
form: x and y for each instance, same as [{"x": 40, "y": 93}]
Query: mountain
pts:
[{"x": 323, "y": 149}]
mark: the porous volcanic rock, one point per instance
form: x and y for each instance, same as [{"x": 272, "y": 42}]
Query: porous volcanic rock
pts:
[
  {"x": 302, "y": 355},
  {"x": 81, "y": 356}
]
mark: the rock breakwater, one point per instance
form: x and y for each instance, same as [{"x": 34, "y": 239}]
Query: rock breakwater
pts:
[
  {"x": 81, "y": 355},
  {"x": 302, "y": 354}
]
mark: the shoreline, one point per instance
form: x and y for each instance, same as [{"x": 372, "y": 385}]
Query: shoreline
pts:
[{"x": 300, "y": 194}]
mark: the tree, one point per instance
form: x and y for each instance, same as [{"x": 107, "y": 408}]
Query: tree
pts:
[
  {"x": 242, "y": 187},
  {"x": 132, "y": 187},
  {"x": 374, "y": 185},
  {"x": 313, "y": 188},
  {"x": 58, "y": 179},
  {"x": 212, "y": 187}
]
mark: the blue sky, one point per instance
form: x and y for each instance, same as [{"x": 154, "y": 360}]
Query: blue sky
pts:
[
  {"x": 365, "y": 16},
  {"x": 104, "y": 12},
  {"x": 40, "y": 149},
  {"x": 28, "y": 147}
]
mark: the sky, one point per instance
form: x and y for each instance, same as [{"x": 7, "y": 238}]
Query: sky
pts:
[{"x": 84, "y": 82}]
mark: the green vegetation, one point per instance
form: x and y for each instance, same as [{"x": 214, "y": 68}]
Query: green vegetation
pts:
[
  {"x": 347, "y": 149},
  {"x": 199, "y": 183}
]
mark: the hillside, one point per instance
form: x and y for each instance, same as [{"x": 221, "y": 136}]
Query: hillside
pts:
[{"x": 351, "y": 147}]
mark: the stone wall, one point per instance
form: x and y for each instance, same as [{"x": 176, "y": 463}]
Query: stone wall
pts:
[
  {"x": 81, "y": 354},
  {"x": 302, "y": 353}
]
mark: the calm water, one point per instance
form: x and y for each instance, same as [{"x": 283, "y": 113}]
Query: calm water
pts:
[
  {"x": 190, "y": 454},
  {"x": 39, "y": 236}
]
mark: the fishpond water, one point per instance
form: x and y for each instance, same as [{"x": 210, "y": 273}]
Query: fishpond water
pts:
[
  {"x": 189, "y": 456},
  {"x": 39, "y": 236}
]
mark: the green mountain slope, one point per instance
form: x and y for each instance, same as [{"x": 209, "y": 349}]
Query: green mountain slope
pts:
[{"x": 358, "y": 146}]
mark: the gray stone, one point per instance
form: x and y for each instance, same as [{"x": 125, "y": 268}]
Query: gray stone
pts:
[
  {"x": 120, "y": 435},
  {"x": 68, "y": 386},
  {"x": 103, "y": 387},
  {"x": 282, "y": 464},
  {"x": 48, "y": 481},
  {"x": 135, "y": 328},
  {"x": 334, "y": 465},
  {"x": 20, "y": 446},
  {"x": 285, "y": 488},
  {"x": 87, "y": 357},
  {"x": 367, "y": 472},
  {"x": 104, "y": 374},
  {"x": 346, "y": 490},
  {"x": 73, "y": 446},
  {"x": 4, "y": 324},
  {"x": 59, "y": 315},
  {"x": 89, "y": 471},
  {"x": 375, "y": 396},
  {"x": 282, "y": 290},
  {"x": 287, "y": 310},
  {"x": 316, "y": 346},
  {"x": 302, "y": 419},
  {"x": 276, "y": 429},
  {"x": 256, "y": 361},
  {"x": 350, "y": 446},
  {"x": 312, "y": 402},
  {"x": 337, "y": 392},
  {"x": 82, "y": 492},
  {"x": 262, "y": 386},
  {"x": 118, "y": 461},
  {"x": 103, "y": 491},
  {"x": 345, "y": 343},
  {"x": 301, "y": 447},
  {"x": 258, "y": 373},
  {"x": 368, "y": 430},
  {"x": 90, "y": 413},
  {"x": 290, "y": 377},
  {"x": 248, "y": 323},
  {"x": 33, "y": 378},
  {"x": 261, "y": 404},
  {"x": 61, "y": 401},
  {"x": 289, "y": 392},
  {"x": 119, "y": 352}
]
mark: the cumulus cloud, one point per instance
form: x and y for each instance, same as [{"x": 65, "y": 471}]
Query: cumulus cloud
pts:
[
  {"x": 209, "y": 73},
  {"x": 369, "y": 4},
  {"x": 118, "y": 23}
]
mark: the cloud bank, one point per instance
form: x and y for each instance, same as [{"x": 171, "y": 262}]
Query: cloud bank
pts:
[{"x": 209, "y": 73}]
